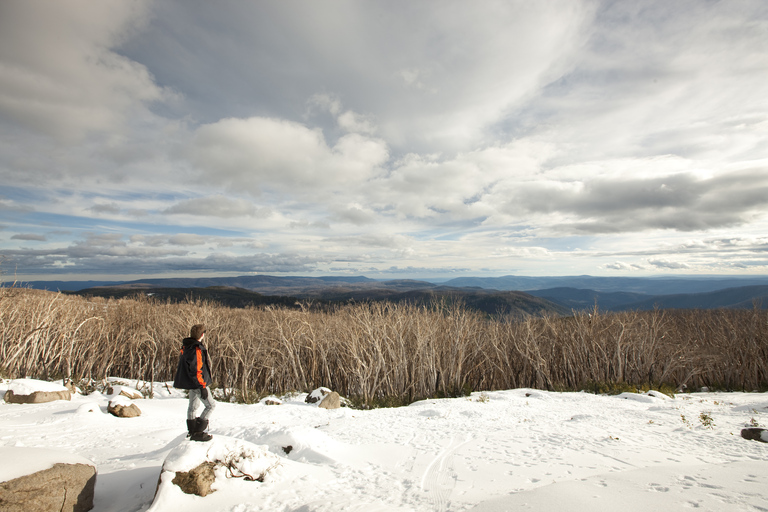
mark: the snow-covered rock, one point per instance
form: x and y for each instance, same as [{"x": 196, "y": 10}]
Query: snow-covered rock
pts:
[
  {"x": 205, "y": 467},
  {"x": 34, "y": 479},
  {"x": 331, "y": 401},
  {"x": 33, "y": 391},
  {"x": 271, "y": 400},
  {"x": 317, "y": 395},
  {"x": 125, "y": 391},
  {"x": 122, "y": 407}
]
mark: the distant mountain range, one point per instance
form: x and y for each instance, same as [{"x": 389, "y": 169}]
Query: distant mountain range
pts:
[
  {"x": 646, "y": 285},
  {"x": 576, "y": 299},
  {"x": 508, "y": 295}
]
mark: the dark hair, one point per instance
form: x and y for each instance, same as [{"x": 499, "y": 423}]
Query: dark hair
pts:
[{"x": 197, "y": 331}]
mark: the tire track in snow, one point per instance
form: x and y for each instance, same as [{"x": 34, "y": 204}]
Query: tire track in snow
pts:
[{"x": 439, "y": 478}]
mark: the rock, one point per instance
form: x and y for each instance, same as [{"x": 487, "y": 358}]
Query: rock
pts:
[
  {"x": 123, "y": 408},
  {"x": 331, "y": 401},
  {"x": 755, "y": 434},
  {"x": 197, "y": 481},
  {"x": 37, "y": 397},
  {"x": 33, "y": 391},
  {"x": 63, "y": 487},
  {"x": 133, "y": 394},
  {"x": 272, "y": 400},
  {"x": 194, "y": 467},
  {"x": 317, "y": 395}
]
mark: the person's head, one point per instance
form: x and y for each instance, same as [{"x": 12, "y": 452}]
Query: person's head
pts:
[{"x": 197, "y": 331}]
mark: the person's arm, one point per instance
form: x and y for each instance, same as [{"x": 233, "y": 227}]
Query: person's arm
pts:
[{"x": 199, "y": 367}]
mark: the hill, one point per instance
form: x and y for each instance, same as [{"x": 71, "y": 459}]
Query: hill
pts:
[
  {"x": 227, "y": 296},
  {"x": 645, "y": 285},
  {"x": 491, "y": 302},
  {"x": 578, "y": 299}
]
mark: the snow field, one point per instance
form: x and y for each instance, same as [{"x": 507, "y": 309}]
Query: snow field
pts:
[{"x": 519, "y": 449}]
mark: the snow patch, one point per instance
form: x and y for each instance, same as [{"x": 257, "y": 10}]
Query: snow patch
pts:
[
  {"x": 18, "y": 462},
  {"x": 29, "y": 386}
]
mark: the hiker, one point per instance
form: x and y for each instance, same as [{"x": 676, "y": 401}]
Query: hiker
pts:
[{"x": 194, "y": 374}]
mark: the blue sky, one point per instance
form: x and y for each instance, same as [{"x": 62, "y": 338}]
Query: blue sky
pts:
[{"x": 384, "y": 138}]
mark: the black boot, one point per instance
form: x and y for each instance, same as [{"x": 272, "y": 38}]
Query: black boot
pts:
[
  {"x": 191, "y": 427},
  {"x": 200, "y": 434}
]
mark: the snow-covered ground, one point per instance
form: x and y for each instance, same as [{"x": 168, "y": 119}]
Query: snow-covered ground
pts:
[{"x": 520, "y": 449}]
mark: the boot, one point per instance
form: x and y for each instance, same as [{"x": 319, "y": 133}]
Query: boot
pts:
[
  {"x": 191, "y": 427},
  {"x": 200, "y": 434}
]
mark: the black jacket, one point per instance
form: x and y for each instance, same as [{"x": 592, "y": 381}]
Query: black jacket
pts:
[{"x": 194, "y": 371}]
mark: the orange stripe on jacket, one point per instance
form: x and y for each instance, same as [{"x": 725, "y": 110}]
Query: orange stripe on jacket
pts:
[{"x": 200, "y": 366}]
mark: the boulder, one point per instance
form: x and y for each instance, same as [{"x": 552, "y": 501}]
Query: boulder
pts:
[
  {"x": 196, "y": 467},
  {"x": 32, "y": 391},
  {"x": 317, "y": 395},
  {"x": 124, "y": 411},
  {"x": 123, "y": 408},
  {"x": 37, "y": 397},
  {"x": 331, "y": 401},
  {"x": 61, "y": 486},
  {"x": 755, "y": 434},
  {"x": 197, "y": 481}
]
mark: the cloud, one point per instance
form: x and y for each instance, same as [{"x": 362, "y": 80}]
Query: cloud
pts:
[
  {"x": 624, "y": 267},
  {"x": 29, "y": 237},
  {"x": 58, "y": 71},
  {"x": 264, "y": 154},
  {"x": 431, "y": 77},
  {"x": 217, "y": 206},
  {"x": 539, "y": 136},
  {"x": 105, "y": 208},
  {"x": 356, "y": 214},
  {"x": 660, "y": 78},
  {"x": 187, "y": 239},
  {"x": 682, "y": 202},
  {"x": 394, "y": 242},
  {"x": 356, "y": 123},
  {"x": 111, "y": 253},
  {"x": 666, "y": 264},
  {"x": 14, "y": 206}
]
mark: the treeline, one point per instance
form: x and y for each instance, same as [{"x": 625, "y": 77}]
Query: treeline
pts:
[{"x": 381, "y": 352}]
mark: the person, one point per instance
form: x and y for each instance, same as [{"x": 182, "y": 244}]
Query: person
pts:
[{"x": 194, "y": 374}]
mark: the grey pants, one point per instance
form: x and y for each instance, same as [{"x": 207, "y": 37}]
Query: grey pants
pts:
[{"x": 194, "y": 402}]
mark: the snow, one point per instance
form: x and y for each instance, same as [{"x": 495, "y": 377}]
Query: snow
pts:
[
  {"x": 127, "y": 391},
  {"x": 26, "y": 461},
  {"x": 29, "y": 386},
  {"x": 518, "y": 449},
  {"x": 120, "y": 400}
]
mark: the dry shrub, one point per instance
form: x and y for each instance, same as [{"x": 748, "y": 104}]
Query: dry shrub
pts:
[{"x": 380, "y": 352}]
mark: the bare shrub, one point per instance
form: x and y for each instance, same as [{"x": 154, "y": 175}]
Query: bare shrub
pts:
[{"x": 381, "y": 352}]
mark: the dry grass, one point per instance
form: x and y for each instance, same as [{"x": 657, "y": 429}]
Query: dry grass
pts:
[{"x": 382, "y": 352}]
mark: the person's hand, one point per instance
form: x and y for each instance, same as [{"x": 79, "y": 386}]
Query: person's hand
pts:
[{"x": 204, "y": 393}]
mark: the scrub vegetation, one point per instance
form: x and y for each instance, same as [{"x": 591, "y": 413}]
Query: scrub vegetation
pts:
[{"x": 381, "y": 353}]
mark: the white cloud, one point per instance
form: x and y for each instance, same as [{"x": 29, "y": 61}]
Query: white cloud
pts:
[
  {"x": 667, "y": 264},
  {"x": 356, "y": 123},
  {"x": 259, "y": 154},
  {"x": 623, "y": 267},
  {"x": 59, "y": 74},
  {"x": 187, "y": 239},
  {"x": 507, "y": 135},
  {"x": 217, "y": 206}
]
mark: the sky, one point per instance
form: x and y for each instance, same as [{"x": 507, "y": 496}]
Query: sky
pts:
[{"x": 391, "y": 139}]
